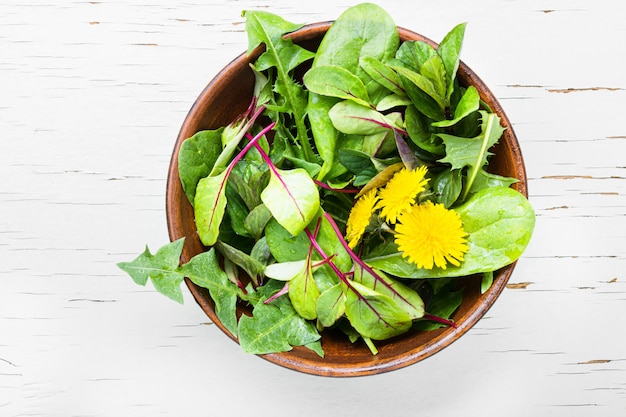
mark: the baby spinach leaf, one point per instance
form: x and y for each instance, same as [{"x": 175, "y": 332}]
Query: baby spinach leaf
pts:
[
  {"x": 500, "y": 223},
  {"x": 284, "y": 246},
  {"x": 196, "y": 158},
  {"x": 382, "y": 74},
  {"x": 161, "y": 268},
  {"x": 447, "y": 186},
  {"x": 433, "y": 69},
  {"x": 274, "y": 327},
  {"x": 427, "y": 86},
  {"x": 450, "y": 50},
  {"x": 414, "y": 54},
  {"x": 256, "y": 220},
  {"x": 335, "y": 81},
  {"x": 361, "y": 31},
  {"x": 292, "y": 197}
]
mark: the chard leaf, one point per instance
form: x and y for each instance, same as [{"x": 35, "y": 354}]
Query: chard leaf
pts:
[
  {"x": 500, "y": 223},
  {"x": 161, "y": 268},
  {"x": 352, "y": 118},
  {"x": 303, "y": 292},
  {"x": 292, "y": 197},
  {"x": 472, "y": 152},
  {"x": 335, "y": 81},
  {"x": 204, "y": 270},
  {"x": 450, "y": 50},
  {"x": 331, "y": 305},
  {"x": 196, "y": 159},
  {"x": 209, "y": 207},
  {"x": 405, "y": 297},
  {"x": 274, "y": 327},
  {"x": 374, "y": 315}
]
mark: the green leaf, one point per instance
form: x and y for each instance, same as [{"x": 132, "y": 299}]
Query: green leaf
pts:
[
  {"x": 204, "y": 270},
  {"x": 285, "y": 271},
  {"x": 364, "y": 30},
  {"x": 274, "y": 327},
  {"x": 450, "y": 50},
  {"x": 209, "y": 207},
  {"x": 447, "y": 186},
  {"x": 256, "y": 220},
  {"x": 424, "y": 84},
  {"x": 486, "y": 282},
  {"x": 414, "y": 54},
  {"x": 292, "y": 197},
  {"x": 382, "y": 74},
  {"x": 469, "y": 103},
  {"x": 472, "y": 152},
  {"x": 281, "y": 53},
  {"x": 335, "y": 81},
  {"x": 161, "y": 268},
  {"x": 500, "y": 222},
  {"x": 352, "y": 118},
  {"x": 303, "y": 292},
  {"x": 405, "y": 297},
  {"x": 330, "y": 306},
  {"x": 434, "y": 70},
  {"x": 252, "y": 267},
  {"x": 374, "y": 315},
  {"x": 196, "y": 159}
]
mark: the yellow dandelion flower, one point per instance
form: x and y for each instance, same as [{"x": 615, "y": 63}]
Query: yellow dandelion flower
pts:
[
  {"x": 429, "y": 234},
  {"x": 359, "y": 217},
  {"x": 400, "y": 193}
]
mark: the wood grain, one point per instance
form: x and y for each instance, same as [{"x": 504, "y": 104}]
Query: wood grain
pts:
[{"x": 92, "y": 97}]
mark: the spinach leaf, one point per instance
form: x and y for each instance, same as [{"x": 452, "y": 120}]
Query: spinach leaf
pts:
[
  {"x": 449, "y": 50},
  {"x": 499, "y": 221},
  {"x": 365, "y": 30},
  {"x": 196, "y": 158}
]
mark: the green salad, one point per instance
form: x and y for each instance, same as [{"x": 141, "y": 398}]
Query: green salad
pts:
[{"x": 355, "y": 198}]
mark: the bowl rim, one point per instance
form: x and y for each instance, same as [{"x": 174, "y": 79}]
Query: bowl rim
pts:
[{"x": 376, "y": 365}]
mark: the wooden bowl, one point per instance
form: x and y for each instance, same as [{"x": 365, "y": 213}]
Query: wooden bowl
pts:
[{"x": 227, "y": 96}]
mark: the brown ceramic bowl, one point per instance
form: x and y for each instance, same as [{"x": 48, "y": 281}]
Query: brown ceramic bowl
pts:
[{"x": 227, "y": 96}]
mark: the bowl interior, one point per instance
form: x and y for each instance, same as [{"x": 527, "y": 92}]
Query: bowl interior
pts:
[{"x": 227, "y": 96}]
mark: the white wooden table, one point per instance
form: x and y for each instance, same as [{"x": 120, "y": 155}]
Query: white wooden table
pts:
[{"x": 92, "y": 94}]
